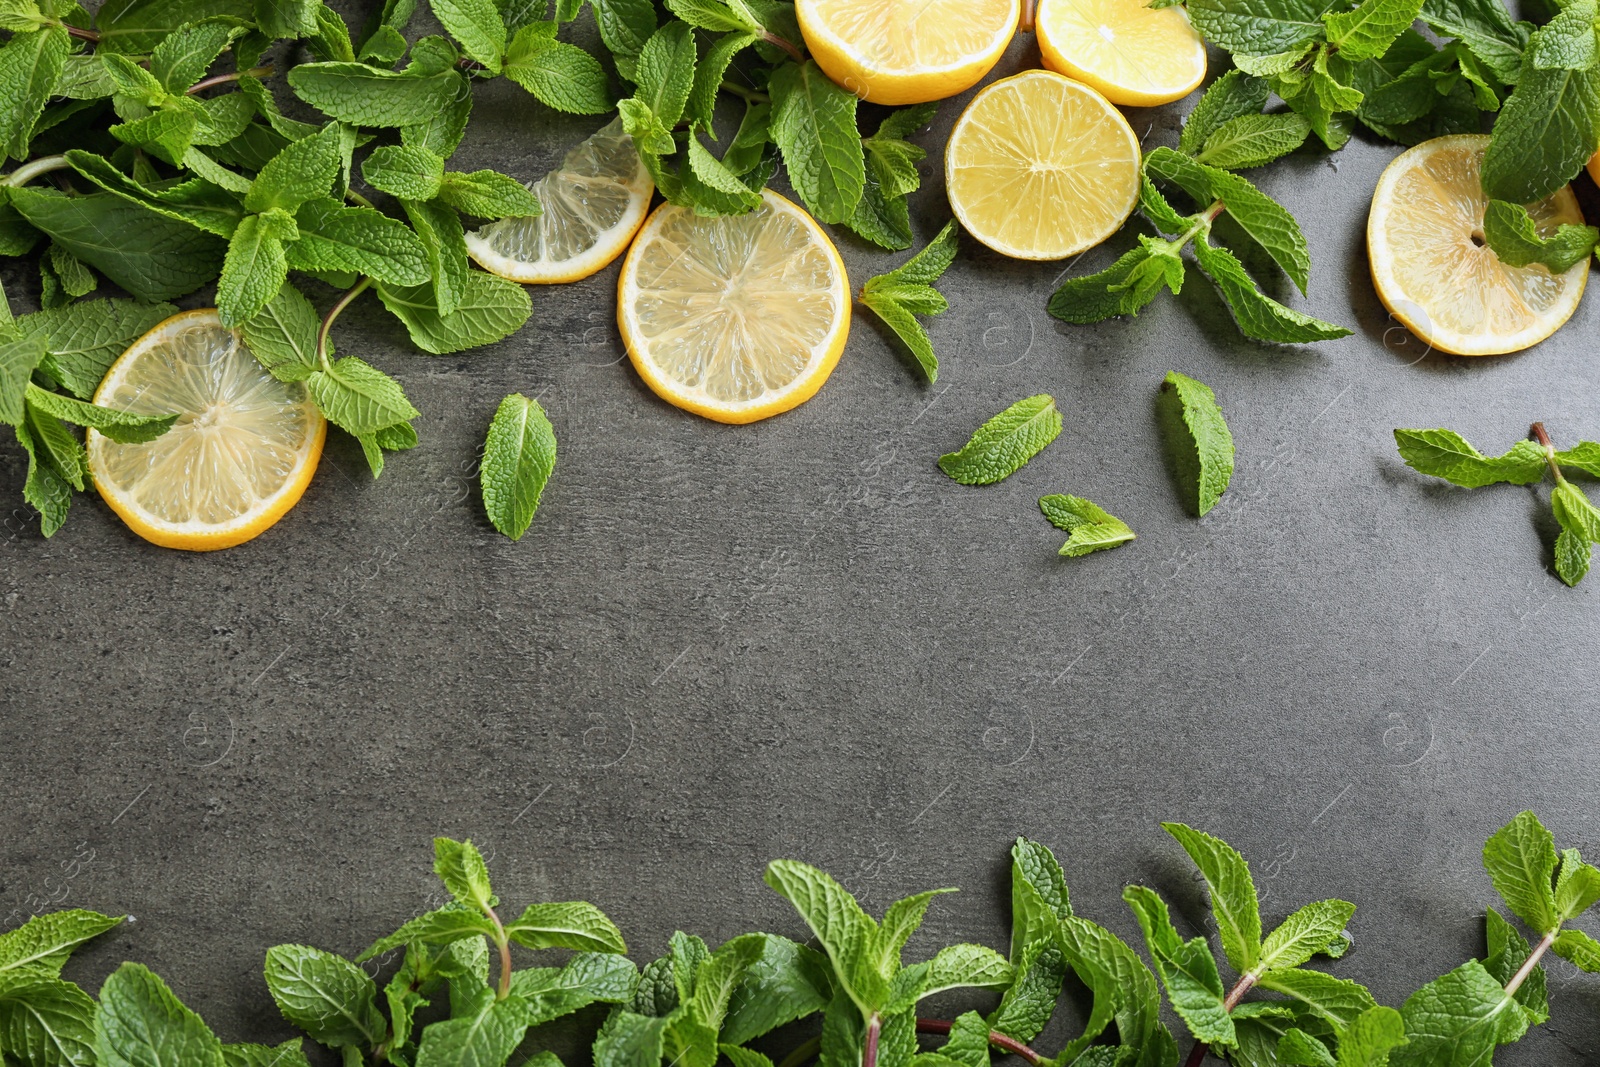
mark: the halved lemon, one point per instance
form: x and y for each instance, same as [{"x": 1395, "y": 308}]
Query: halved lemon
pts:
[
  {"x": 1041, "y": 167},
  {"x": 593, "y": 205},
  {"x": 241, "y": 453},
  {"x": 907, "y": 51},
  {"x": 1433, "y": 270},
  {"x": 1135, "y": 55},
  {"x": 734, "y": 318}
]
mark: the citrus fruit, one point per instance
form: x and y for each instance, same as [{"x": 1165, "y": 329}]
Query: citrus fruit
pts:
[
  {"x": 1041, "y": 167},
  {"x": 734, "y": 318},
  {"x": 1135, "y": 55},
  {"x": 240, "y": 454},
  {"x": 1433, "y": 270},
  {"x": 593, "y": 205},
  {"x": 907, "y": 51}
]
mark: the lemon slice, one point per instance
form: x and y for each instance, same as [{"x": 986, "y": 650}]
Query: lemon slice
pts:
[
  {"x": 734, "y": 318},
  {"x": 1435, "y": 274},
  {"x": 907, "y": 51},
  {"x": 593, "y": 205},
  {"x": 1135, "y": 55},
  {"x": 242, "y": 451},
  {"x": 1041, "y": 167}
]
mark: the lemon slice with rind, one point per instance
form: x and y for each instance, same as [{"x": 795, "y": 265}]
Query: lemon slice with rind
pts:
[
  {"x": 1433, "y": 270},
  {"x": 239, "y": 456},
  {"x": 1041, "y": 167},
  {"x": 735, "y": 318},
  {"x": 1133, "y": 54},
  {"x": 907, "y": 51},
  {"x": 593, "y": 205}
]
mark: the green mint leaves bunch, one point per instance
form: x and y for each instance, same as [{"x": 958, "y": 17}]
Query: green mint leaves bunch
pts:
[
  {"x": 1462, "y": 1016},
  {"x": 1158, "y": 263},
  {"x": 900, "y": 295},
  {"x": 41, "y": 1012},
  {"x": 1322, "y": 1019},
  {"x": 1446, "y": 454}
]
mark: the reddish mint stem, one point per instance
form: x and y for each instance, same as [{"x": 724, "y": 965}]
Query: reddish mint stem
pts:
[
  {"x": 1197, "y": 1054},
  {"x": 75, "y": 31},
  {"x": 1538, "y": 950},
  {"x": 773, "y": 39},
  {"x": 1543, "y": 438},
  {"x": 996, "y": 1038},
  {"x": 869, "y": 1054}
]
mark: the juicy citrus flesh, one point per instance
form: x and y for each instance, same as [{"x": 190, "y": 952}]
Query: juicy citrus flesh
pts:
[
  {"x": 593, "y": 204},
  {"x": 734, "y": 318},
  {"x": 238, "y": 457},
  {"x": 1134, "y": 55},
  {"x": 907, "y": 51},
  {"x": 1433, "y": 270},
  {"x": 1041, "y": 167}
]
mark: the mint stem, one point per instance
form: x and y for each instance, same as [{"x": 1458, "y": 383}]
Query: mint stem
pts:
[
  {"x": 504, "y": 943},
  {"x": 750, "y": 96},
  {"x": 76, "y": 31},
  {"x": 1543, "y": 438},
  {"x": 869, "y": 1052},
  {"x": 224, "y": 79},
  {"x": 1545, "y": 942},
  {"x": 805, "y": 1052},
  {"x": 778, "y": 42},
  {"x": 29, "y": 171},
  {"x": 996, "y": 1038},
  {"x": 322, "y": 358},
  {"x": 1197, "y": 1054}
]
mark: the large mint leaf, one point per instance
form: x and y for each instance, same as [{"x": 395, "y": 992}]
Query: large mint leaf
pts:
[
  {"x": 1511, "y": 232},
  {"x": 358, "y": 397},
  {"x": 283, "y": 335},
  {"x": 153, "y": 257},
  {"x": 1027, "y": 1005},
  {"x": 325, "y": 995},
  {"x": 1003, "y": 444},
  {"x": 334, "y": 236},
  {"x": 1305, "y": 933},
  {"x": 1258, "y": 315},
  {"x": 252, "y": 274},
  {"x": 44, "y": 1021},
  {"x": 1258, "y": 27},
  {"x": 134, "y": 27},
  {"x": 489, "y": 309},
  {"x": 1371, "y": 28},
  {"x": 560, "y": 75},
  {"x": 1446, "y": 454},
  {"x": 305, "y": 170},
  {"x": 443, "y": 926},
  {"x": 1544, "y": 134},
  {"x": 141, "y": 1024},
  {"x": 1336, "y": 1001},
  {"x": 788, "y": 981},
  {"x": 366, "y": 96},
  {"x": 1232, "y": 96},
  {"x": 575, "y": 924},
  {"x": 666, "y": 72},
  {"x": 47, "y": 940},
  {"x": 1233, "y": 893},
  {"x": 1186, "y": 968},
  {"x": 30, "y": 64},
  {"x": 477, "y": 25},
  {"x": 198, "y": 202},
  {"x": 1124, "y": 991},
  {"x": 1521, "y": 860},
  {"x": 444, "y": 239},
  {"x": 848, "y": 935},
  {"x": 1484, "y": 26},
  {"x": 814, "y": 125},
  {"x": 122, "y": 426},
  {"x": 482, "y": 1031},
  {"x": 184, "y": 57},
  {"x": 1457, "y": 1019}
]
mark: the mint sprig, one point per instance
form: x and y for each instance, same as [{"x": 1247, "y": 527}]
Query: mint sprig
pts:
[{"x": 900, "y": 295}]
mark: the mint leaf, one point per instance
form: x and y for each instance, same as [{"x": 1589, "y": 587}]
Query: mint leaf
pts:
[
  {"x": 560, "y": 75},
  {"x": 715, "y": 15},
  {"x": 443, "y": 926},
  {"x": 18, "y": 358},
  {"x": 1186, "y": 968},
  {"x": 198, "y": 202},
  {"x": 1027, "y": 1005},
  {"x": 1254, "y": 140},
  {"x": 1368, "y": 1041},
  {"x": 901, "y": 294},
  {"x": 305, "y": 170},
  {"x": 488, "y": 195},
  {"x": 481, "y": 1030},
  {"x": 1232, "y": 96},
  {"x": 252, "y": 273},
  {"x": 1577, "y": 885},
  {"x": 966, "y": 966},
  {"x": 1003, "y": 444},
  {"x": 1233, "y": 893},
  {"x": 45, "y": 941},
  {"x": 1124, "y": 991},
  {"x": 814, "y": 125},
  {"x": 1323, "y": 94},
  {"x": 1507, "y": 952},
  {"x": 184, "y": 56},
  {"x": 628, "y": 1039},
  {"x": 489, "y": 309},
  {"x": 1336, "y": 1001},
  {"x": 1039, "y": 896},
  {"x": 444, "y": 239},
  {"x": 666, "y": 72},
  {"x": 122, "y": 426},
  {"x": 1578, "y": 949},
  {"x": 518, "y": 456},
  {"x": 477, "y": 25},
  {"x": 366, "y": 96},
  {"x": 58, "y": 446},
  {"x": 359, "y": 239},
  {"x": 1258, "y": 315},
  {"x": 1208, "y": 438},
  {"x": 287, "y": 1054},
  {"x": 1371, "y": 28},
  {"x": 30, "y": 64},
  {"x": 286, "y": 18},
  {"x": 575, "y": 925},
  {"x": 1572, "y": 555},
  {"x": 1546, "y": 131},
  {"x": 1574, "y": 512},
  {"x": 1135, "y": 279},
  {"x": 283, "y": 335},
  {"x": 141, "y": 1024},
  {"x": 1257, "y": 27},
  {"x": 1458, "y": 1018},
  {"x": 1514, "y": 237},
  {"x": 786, "y": 982},
  {"x": 408, "y": 173},
  {"x": 152, "y": 257},
  {"x": 45, "y": 1021},
  {"x": 44, "y": 487},
  {"x": 847, "y": 934},
  {"x": 1306, "y": 932},
  {"x": 710, "y": 72},
  {"x": 358, "y": 397},
  {"x": 1092, "y": 528},
  {"x": 327, "y": 996},
  {"x": 440, "y": 132},
  {"x": 1485, "y": 27},
  {"x": 625, "y": 26},
  {"x": 1299, "y": 1048},
  {"x": 1585, "y": 455},
  {"x": 460, "y": 867},
  {"x": 1446, "y": 454}
]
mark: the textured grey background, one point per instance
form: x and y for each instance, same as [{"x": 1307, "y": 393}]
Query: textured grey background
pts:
[{"x": 719, "y": 645}]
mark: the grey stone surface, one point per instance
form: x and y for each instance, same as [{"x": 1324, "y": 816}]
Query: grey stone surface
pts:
[{"x": 720, "y": 645}]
